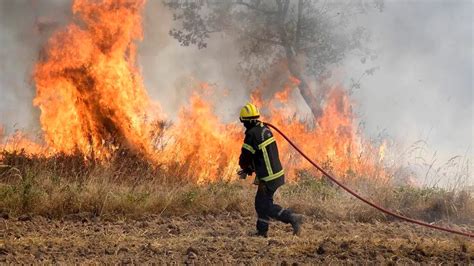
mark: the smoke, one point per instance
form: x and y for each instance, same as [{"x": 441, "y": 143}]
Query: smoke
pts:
[
  {"x": 171, "y": 71},
  {"x": 423, "y": 89},
  {"x": 24, "y": 27}
]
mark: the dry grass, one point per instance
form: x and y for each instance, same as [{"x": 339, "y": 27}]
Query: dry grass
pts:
[
  {"x": 224, "y": 239},
  {"x": 66, "y": 185}
]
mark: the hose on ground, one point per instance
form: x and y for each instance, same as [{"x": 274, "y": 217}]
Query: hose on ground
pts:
[{"x": 353, "y": 193}]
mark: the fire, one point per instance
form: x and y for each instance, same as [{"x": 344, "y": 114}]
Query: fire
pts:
[
  {"x": 284, "y": 95},
  {"x": 90, "y": 93},
  {"x": 204, "y": 147},
  {"x": 93, "y": 102},
  {"x": 332, "y": 140},
  {"x": 19, "y": 142}
]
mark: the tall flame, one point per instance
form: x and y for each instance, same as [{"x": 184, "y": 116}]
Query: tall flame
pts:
[
  {"x": 93, "y": 101},
  {"x": 89, "y": 91}
]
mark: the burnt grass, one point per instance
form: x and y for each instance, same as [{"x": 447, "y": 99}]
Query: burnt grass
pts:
[{"x": 65, "y": 209}]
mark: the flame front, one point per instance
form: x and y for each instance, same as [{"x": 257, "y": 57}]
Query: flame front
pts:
[{"x": 93, "y": 102}]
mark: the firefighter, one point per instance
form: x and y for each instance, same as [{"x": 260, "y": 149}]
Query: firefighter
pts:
[{"x": 259, "y": 155}]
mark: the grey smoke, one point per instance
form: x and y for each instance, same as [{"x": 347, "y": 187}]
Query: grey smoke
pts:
[
  {"x": 424, "y": 89},
  {"x": 24, "y": 27}
]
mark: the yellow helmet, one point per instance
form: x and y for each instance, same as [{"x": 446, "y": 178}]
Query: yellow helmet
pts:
[{"x": 249, "y": 112}]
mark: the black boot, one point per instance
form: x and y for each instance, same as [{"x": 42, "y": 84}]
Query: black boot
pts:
[
  {"x": 262, "y": 234},
  {"x": 296, "y": 221}
]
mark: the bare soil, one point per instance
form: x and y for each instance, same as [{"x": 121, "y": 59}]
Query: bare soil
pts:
[{"x": 221, "y": 239}]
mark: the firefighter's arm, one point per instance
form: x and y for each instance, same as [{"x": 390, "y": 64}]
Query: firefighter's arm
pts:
[{"x": 246, "y": 156}]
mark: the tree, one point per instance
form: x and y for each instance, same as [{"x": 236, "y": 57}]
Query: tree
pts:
[{"x": 310, "y": 36}]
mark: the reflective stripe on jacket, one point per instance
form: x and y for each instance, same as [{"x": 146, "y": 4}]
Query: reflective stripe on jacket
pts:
[{"x": 260, "y": 153}]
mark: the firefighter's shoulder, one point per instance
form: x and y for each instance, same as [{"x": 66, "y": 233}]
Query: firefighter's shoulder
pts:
[
  {"x": 252, "y": 132},
  {"x": 266, "y": 132}
]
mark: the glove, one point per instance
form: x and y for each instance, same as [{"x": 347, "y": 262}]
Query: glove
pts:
[{"x": 242, "y": 174}]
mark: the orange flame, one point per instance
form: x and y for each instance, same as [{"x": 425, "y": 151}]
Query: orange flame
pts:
[
  {"x": 19, "y": 142},
  {"x": 332, "y": 139},
  {"x": 205, "y": 146},
  {"x": 89, "y": 91}
]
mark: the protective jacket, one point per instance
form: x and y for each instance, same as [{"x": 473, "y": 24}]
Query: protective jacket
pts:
[{"x": 260, "y": 155}]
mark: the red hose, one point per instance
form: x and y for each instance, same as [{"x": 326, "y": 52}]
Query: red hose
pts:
[{"x": 468, "y": 234}]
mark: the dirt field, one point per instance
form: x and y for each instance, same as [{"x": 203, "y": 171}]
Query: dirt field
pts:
[{"x": 225, "y": 238}]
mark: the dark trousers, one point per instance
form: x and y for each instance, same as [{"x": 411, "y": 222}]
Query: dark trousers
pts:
[{"x": 266, "y": 209}]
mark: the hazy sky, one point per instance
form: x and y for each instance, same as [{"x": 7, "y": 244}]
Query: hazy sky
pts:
[{"x": 422, "y": 90}]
